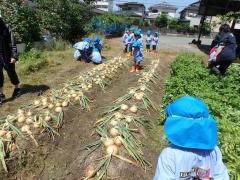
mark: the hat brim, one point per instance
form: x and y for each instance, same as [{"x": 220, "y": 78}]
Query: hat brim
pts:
[{"x": 188, "y": 133}]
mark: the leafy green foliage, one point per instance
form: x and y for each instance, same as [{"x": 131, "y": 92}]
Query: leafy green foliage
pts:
[
  {"x": 190, "y": 77},
  {"x": 32, "y": 61},
  {"x": 22, "y": 19},
  {"x": 161, "y": 21}
]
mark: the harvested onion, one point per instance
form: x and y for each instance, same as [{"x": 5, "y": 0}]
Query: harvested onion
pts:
[
  {"x": 21, "y": 119},
  {"x": 124, "y": 107},
  {"x": 128, "y": 119},
  {"x": 25, "y": 128},
  {"x": 114, "y": 132},
  {"x": 119, "y": 115},
  {"x": 133, "y": 109},
  {"x": 58, "y": 109},
  {"x": 47, "y": 118},
  {"x": 108, "y": 142},
  {"x": 113, "y": 149},
  {"x": 64, "y": 104},
  {"x": 29, "y": 113},
  {"x": 37, "y": 102},
  {"x": 20, "y": 112},
  {"x": 113, "y": 122},
  {"x": 29, "y": 121},
  {"x": 58, "y": 104},
  {"x": 36, "y": 125},
  {"x": 3, "y": 133},
  {"x": 118, "y": 140}
]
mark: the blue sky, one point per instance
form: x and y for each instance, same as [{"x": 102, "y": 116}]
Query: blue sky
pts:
[{"x": 179, "y": 3}]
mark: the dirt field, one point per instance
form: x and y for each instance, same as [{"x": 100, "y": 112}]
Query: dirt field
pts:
[{"x": 60, "y": 158}]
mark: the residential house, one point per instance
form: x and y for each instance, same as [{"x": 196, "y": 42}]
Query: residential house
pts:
[
  {"x": 162, "y": 8},
  {"x": 104, "y": 5},
  {"x": 189, "y": 15},
  {"x": 133, "y": 9}
]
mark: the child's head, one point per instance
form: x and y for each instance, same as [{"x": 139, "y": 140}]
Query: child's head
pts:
[
  {"x": 190, "y": 125},
  {"x": 137, "y": 35},
  {"x": 96, "y": 40},
  {"x": 88, "y": 40},
  {"x": 132, "y": 29},
  {"x": 156, "y": 34},
  {"x": 148, "y": 33},
  {"x": 135, "y": 44}
]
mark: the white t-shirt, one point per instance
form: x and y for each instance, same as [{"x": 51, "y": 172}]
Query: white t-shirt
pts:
[{"x": 176, "y": 163}]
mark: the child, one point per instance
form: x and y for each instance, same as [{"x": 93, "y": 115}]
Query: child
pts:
[
  {"x": 137, "y": 56},
  {"x": 96, "y": 56},
  {"x": 125, "y": 40},
  {"x": 97, "y": 43},
  {"x": 148, "y": 41},
  {"x": 212, "y": 54},
  {"x": 193, "y": 153},
  {"x": 82, "y": 49},
  {"x": 155, "y": 41},
  {"x": 131, "y": 39}
]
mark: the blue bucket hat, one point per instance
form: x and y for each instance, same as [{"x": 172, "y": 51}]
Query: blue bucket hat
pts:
[
  {"x": 140, "y": 31},
  {"x": 96, "y": 40},
  {"x": 148, "y": 32},
  {"x": 132, "y": 29},
  {"x": 190, "y": 125},
  {"x": 88, "y": 40}
]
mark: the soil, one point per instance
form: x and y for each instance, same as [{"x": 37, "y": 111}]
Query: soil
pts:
[{"x": 61, "y": 158}]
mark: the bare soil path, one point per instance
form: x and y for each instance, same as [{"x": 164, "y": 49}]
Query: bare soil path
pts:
[{"x": 60, "y": 158}]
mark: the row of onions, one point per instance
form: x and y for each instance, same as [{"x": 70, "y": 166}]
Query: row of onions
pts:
[
  {"x": 46, "y": 114},
  {"x": 119, "y": 128}
]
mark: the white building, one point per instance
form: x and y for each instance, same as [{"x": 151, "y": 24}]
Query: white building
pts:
[
  {"x": 190, "y": 16},
  {"x": 162, "y": 8},
  {"x": 133, "y": 9},
  {"x": 104, "y": 5}
]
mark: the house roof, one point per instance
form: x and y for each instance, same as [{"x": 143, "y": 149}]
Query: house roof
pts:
[
  {"x": 215, "y": 7},
  {"x": 192, "y": 7},
  {"x": 131, "y": 3},
  {"x": 163, "y": 5}
]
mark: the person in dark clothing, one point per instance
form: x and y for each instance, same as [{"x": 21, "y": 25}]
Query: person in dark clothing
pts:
[
  {"x": 8, "y": 58},
  {"x": 226, "y": 52}
]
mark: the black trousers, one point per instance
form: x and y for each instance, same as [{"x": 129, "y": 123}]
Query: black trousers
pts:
[
  {"x": 10, "y": 68},
  {"x": 219, "y": 67}
]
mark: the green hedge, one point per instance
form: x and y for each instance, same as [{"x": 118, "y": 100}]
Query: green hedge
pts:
[{"x": 189, "y": 76}]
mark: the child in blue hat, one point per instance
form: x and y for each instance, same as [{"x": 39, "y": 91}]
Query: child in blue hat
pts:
[
  {"x": 131, "y": 38},
  {"x": 96, "y": 56},
  {"x": 125, "y": 40},
  {"x": 137, "y": 56},
  {"x": 148, "y": 41},
  {"x": 82, "y": 50},
  {"x": 193, "y": 153},
  {"x": 97, "y": 43},
  {"x": 155, "y": 40}
]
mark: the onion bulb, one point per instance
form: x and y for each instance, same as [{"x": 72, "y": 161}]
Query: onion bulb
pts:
[
  {"x": 143, "y": 88},
  {"x": 89, "y": 171},
  {"x": 124, "y": 107},
  {"x": 3, "y": 133},
  {"x": 58, "y": 104},
  {"x": 9, "y": 135},
  {"x": 132, "y": 91},
  {"x": 74, "y": 95},
  {"x": 108, "y": 142},
  {"x": 29, "y": 113},
  {"x": 113, "y": 122},
  {"x": 20, "y": 112},
  {"x": 50, "y": 106},
  {"x": 37, "y": 102},
  {"x": 118, "y": 140},
  {"x": 119, "y": 115},
  {"x": 114, "y": 132},
  {"x": 21, "y": 119},
  {"x": 44, "y": 99},
  {"x": 58, "y": 109},
  {"x": 36, "y": 125},
  {"x": 128, "y": 119},
  {"x": 47, "y": 118},
  {"x": 29, "y": 121},
  {"x": 64, "y": 104},
  {"x": 139, "y": 96},
  {"x": 113, "y": 149},
  {"x": 45, "y": 104},
  {"x": 25, "y": 128},
  {"x": 77, "y": 98},
  {"x": 133, "y": 109},
  {"x": 13, "y": 147}
]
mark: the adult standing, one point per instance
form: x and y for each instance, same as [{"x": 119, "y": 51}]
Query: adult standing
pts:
[
  {"x": 226, "y": 52},
  {"x": 8, "y": 58}
]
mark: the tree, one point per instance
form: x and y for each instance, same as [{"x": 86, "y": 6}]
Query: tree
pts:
[
  {"x": 161, "y": 21},
  {"x": 229, "y": 17},
  {"x": 22, "y": 19},
  {"x": 173, "y": 24}
]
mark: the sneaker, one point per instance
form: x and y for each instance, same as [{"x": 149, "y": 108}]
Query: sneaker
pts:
[
  {"x": 16, "y": 93},
  {"x": 2, "y": 98}
]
